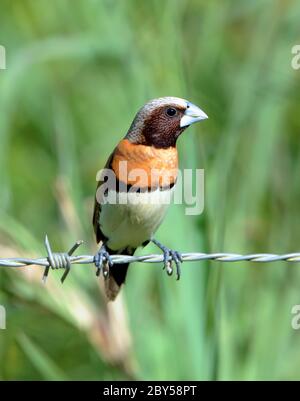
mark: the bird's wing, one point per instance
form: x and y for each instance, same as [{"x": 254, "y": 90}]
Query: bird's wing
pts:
[{"x": 97, "y": 208}]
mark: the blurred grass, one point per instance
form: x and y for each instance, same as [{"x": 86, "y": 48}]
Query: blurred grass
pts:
[{"x": 76, "y": 74}]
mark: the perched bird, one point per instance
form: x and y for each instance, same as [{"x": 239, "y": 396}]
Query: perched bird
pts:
[{"x": 144, "y": 165}]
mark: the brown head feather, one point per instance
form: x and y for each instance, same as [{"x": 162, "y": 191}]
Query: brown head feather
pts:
[{"x": 153, "y": 126}]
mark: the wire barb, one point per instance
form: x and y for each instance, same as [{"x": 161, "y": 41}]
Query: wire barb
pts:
[
  {"x": 59, "y": 260},
  {"x": 64, "y": 260}
]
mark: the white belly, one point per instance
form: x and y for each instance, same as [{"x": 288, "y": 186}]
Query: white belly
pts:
[{"x": 134, "y": 218}]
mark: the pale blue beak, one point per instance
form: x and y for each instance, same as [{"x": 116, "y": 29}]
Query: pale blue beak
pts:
[{"x": 192, "y": 115}]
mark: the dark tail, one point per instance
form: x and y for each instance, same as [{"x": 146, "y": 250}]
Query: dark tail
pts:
[{"x": 117, "y": 276}]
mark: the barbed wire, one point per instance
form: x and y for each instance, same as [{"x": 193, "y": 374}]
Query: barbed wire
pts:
[{"x": 64, "y": 260}]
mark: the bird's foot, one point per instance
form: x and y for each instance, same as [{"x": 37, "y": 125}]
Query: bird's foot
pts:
[
  {"x": 103, "y": 261},
  {"x": 170, "y": 256}
]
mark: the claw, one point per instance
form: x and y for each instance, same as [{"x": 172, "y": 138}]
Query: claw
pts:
[
  {"x": 178, "y": 260},
  {"x": 98, "y": 260},
  {"x": 103, "y": 261},
  {"x": 166, "y": 259},
  {"x": 170, "y": 256},
  {"x": 169, "y": 268},
  {"x": 106, "y": 270}
]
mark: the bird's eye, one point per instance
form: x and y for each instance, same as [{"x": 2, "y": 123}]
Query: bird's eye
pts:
[{"x": 171, "y": 112}]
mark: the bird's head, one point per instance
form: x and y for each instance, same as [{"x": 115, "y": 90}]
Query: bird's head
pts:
[{"x": 160, "y": 121}]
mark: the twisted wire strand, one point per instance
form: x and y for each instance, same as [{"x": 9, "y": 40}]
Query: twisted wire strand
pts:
[{"x": 64, "y": 260}]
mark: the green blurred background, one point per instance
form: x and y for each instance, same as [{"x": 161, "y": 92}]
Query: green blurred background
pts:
[{"x": 77, "y": 71}]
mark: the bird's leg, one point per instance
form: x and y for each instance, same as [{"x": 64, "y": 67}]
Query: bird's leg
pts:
[
  {"x": 170, "y": 256},
  {"x": 103, "y": 261}
]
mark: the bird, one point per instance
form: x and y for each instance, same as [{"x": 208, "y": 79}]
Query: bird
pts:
[{"x": 136, "y": 185}]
